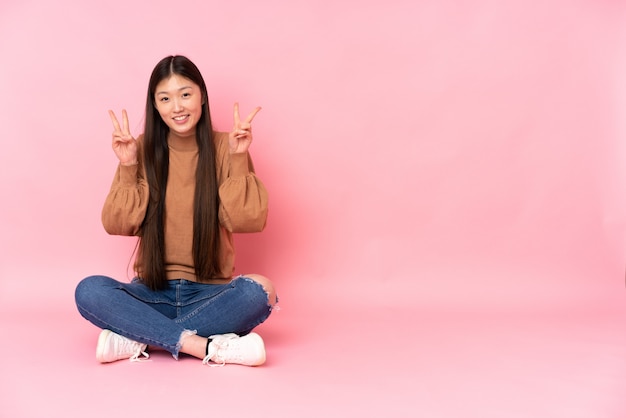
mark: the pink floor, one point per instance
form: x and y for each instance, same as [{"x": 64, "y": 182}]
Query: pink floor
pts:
[{"x": 336, "y": 361}]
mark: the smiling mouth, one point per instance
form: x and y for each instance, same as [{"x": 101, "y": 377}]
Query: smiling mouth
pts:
[{"x": 181, "y": 118}]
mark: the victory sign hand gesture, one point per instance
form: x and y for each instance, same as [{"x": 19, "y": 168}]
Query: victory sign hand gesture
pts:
[
  {"x": 240, "y": 137},
  {"x": 124, "y": 145}
]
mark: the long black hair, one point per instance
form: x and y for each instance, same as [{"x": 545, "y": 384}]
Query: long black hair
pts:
[{"x": 206, "y": 231}]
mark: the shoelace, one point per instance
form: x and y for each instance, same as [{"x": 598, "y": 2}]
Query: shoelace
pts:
[
  {"x": 220, "y": 342},
  {"x": 130, "y": 346},
  {"x": 139, "y": 352}
]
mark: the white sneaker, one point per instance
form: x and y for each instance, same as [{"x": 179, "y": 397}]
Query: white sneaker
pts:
[
  {"x": 248, "y": 350},
  {"x": 112, "y": 347}
]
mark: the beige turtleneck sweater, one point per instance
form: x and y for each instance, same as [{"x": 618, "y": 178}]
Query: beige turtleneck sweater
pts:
[{"x": 243, "y": 204}]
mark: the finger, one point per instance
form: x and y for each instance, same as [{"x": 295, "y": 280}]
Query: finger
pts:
[
  {"x": 116, "y": 124},
  {"x": 126, "y": 130},
  {"x": 253, "y": 114},
  {"x": 236, "y": 114}
]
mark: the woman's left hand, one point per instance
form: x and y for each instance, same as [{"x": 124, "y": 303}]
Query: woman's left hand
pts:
[{"x": 240, "y": 137}]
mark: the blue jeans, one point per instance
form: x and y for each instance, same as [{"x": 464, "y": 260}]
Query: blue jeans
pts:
[{"x": 159, "y": 318}]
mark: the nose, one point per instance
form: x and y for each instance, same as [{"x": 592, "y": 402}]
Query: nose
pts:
[{"x": 178, "y": 106}]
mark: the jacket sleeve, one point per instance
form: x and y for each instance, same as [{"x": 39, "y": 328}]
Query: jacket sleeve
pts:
[
  {"x": 125, "y": 206},
  {"x": 243, "y": 197}
]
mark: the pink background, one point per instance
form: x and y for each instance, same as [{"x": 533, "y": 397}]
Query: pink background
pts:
[{"x": 434, "y": 167}]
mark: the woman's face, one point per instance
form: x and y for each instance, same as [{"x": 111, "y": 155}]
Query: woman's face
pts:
[{"x": 179, "y": 102}]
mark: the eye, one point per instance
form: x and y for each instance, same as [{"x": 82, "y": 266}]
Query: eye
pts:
[
  {"x": 186, "y": 95},
  {"x": 164, "y": 99}
]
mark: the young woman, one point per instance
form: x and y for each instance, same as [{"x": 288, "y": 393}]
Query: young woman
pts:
[{"x": 183, "y": 189}]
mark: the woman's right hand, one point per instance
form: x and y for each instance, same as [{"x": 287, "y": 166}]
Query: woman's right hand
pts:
[{"x": 124, "y": 145}]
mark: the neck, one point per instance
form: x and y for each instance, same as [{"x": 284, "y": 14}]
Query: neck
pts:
[{"x": 182, "y": 143}]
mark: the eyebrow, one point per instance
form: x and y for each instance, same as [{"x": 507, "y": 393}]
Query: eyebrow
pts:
[{"x": 167, "y": 92}]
